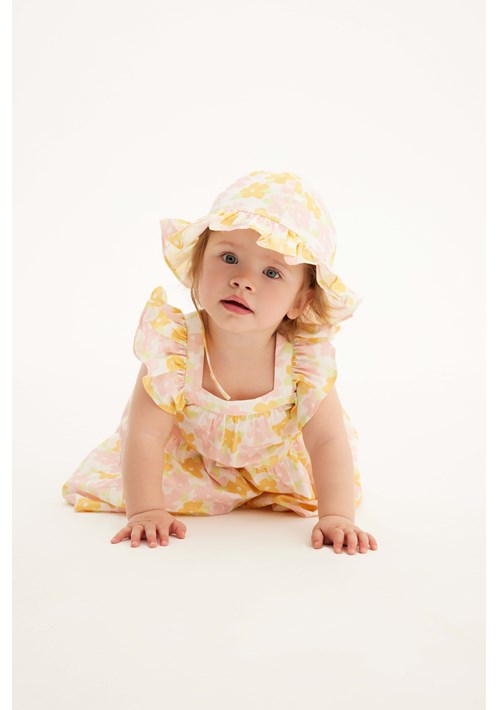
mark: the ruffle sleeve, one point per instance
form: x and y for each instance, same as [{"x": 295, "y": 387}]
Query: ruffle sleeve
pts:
[
  {"x": 314, "y": 370},
  {"x": 161, "y": 344}
]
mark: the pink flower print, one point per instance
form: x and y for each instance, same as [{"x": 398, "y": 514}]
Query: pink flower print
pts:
[
  {"x": 277, "y": 205},
  {"x": 106, "y": 459},
  {"x": 300, "y": 215}
]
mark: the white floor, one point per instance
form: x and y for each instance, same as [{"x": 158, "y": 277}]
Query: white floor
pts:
[{"x": 244, "y": 612}]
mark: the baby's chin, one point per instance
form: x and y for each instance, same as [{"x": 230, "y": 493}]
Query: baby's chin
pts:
[{"x": 235, "y": 323}]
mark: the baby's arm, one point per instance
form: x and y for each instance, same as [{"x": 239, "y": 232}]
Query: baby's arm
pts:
[
  {"x": 149, "y": 428},
  {"x": 326, "y": 441}
]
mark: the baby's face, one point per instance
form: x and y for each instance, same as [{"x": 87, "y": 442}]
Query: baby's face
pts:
[{"x": 234, "y": 265}]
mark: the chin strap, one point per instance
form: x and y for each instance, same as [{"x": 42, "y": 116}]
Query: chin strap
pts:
[{"x": 223, "y": 392}]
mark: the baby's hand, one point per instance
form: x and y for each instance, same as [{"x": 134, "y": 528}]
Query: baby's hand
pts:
[
  {"x": 145, "y": 525},
  {"x": 333, "y": 529}
]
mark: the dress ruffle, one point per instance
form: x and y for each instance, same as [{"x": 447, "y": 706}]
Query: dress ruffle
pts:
[
  {"x": 179, "y": 237},
  {"x": 161, "y": 344},
  {"x": 314, "y": 370}
]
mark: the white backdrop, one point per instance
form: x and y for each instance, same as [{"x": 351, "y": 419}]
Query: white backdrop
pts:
[{"x": 128, "y": 112}]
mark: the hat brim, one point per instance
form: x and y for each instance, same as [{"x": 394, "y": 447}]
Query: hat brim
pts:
[{"x": 180, "y": 236}]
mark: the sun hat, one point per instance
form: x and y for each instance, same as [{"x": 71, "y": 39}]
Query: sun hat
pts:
[{"x": 291, "y": 219}]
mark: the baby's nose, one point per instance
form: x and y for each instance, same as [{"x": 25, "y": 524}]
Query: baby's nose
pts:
[{"x": 242, "y": 281}]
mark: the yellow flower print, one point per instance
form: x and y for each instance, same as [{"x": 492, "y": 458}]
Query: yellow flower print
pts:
[
  {"x": 312, "y": 206},
  {"x": 304, "y": 387},
  {"x": 262, "y": 211},
  {"x": 194, "y": 507},
  {"x": 267, "y": 484},
  {"x": 102, "y": 474},
  {"x": 159, "y": 321},
  {"x": 264, "y": 407},
  {"x": 287, "y": 246},
  {"x": 179, "y": 403},
  {"x": 194, "y": 466},
  {"x": 189, "y": 440},
  {"x": 178, "y": 334},
  {"x": 157, "y": 297},
  {"x": 281, "y": 178},
  {"x": 235, "y": 487},
  {"x": 85, "y": 504},
  {"x": 147, "y": 384},
  {"x": 304, "y": 253},
  {"x": 278, "y": 428},
  {"x": 330, "y": 382},
  {"x": 337, "y": 286},
  {"x": 255, "y": 189},
  {"x": 292, "y": 456},
  {"x": 229, "y": 218},
  {"x": 359, "y": 495},
  {"x": 174, "y": 363},
  {"x": 176, "y": 240},
  {"x": 231, "y": 440}
]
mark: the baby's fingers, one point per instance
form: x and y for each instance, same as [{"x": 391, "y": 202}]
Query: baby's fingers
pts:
[
  {"x": 163, "y": 531},
  {"x": 366, "y": 541},
  {"x": 337, "y": 537},
  {"x": 151, "y": 534},
  {"x": 136, "y": 534},
  {"x": 363, "y": 541},
  {"x": 351, "y": 542},
  {"x": 178, "y": 528},
  {"x": 121, "y": 535},
  {"x": 372, "y": 542}
]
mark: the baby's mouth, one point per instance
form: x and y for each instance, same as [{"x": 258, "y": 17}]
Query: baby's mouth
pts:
[{"x": 235, "y": 303}]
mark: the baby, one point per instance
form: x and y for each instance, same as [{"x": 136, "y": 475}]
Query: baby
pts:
[{"x": 268, "y": 428}]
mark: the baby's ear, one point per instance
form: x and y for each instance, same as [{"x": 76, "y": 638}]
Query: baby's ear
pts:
[{"x": 302, "y": 300}]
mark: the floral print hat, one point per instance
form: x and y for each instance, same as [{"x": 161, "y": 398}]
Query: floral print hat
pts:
[{"x": 291, "y": 219}]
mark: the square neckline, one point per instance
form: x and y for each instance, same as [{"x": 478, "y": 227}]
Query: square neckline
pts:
[
  {"x": 282, "y": 384},
  {"x": 204, "y": 363}
]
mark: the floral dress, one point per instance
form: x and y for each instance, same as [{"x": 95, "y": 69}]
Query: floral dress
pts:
[{"x": 222, "y": 454}]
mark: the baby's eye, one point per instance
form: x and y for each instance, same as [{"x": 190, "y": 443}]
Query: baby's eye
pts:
[
  {"x": 232, "y": 256},
  {"x": 232, "y": 260},
  {"x": 278, "y": 275}
]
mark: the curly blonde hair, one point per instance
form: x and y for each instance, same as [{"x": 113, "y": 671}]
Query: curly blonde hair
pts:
[{"x": 317, "y": 313}]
